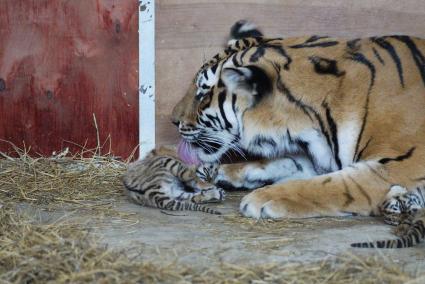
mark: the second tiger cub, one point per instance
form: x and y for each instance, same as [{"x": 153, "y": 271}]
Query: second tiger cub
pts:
[{"x": 161, "y": 180}]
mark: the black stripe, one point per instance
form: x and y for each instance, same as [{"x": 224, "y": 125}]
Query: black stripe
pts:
[
  {"x": 334, "y": 134},
  {"x": 234, "y": 103},
  {"x": 360, "y": 58},
  {"x": 404, "y": 241},
  {"x": 393, "y": 53},
  {"x": 314, "y": 38},
  {"x": 205, "y": 73},
  {"x": 204, "y": 122},
  {"x": 359, "y": 155},
  {"x": 172, "y": 168},
  {"x": 245, "y": 42},
  {"x": 221, "y": 99},
  {"x": 361, "y": 189},
  {"x": 132, "y": 189},
  {"x": 416, "y": 237},
  {"x": 178, "y": 206},
  {"x": 279, "y": 49},
  {"x": 325, "y": 66},
  {"x": 214, "y": 68},
  {"x": 288, "y": 134},
  {"x": 416, "y": 54},
  {"x": 235, "y": 61},
  {"x": 283, "y": 89},
  {"x": 378, "y": 56},
  {"x": 215, "y": 120},
  {"x": 409, "y": 241},
  {"x": 169, "y": 205},
  {"x": 259, "y": 52},
  {"x": 350, "y": 198},
  {"x": 205, "y": 86},
  {"x": 243, "y": 55},
  {"x": 299, "y": 167},
  {"x": 166, "y": 161},
  {"x": 398, "y": 158},
  {"x": 319, "y": 44},
  {"x": 263, "y": 141},
  {"x": 152, "y": 194},
  {"x": 353, "y": 45}
]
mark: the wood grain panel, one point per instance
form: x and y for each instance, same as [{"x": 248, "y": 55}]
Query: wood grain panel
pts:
[
  {"x": 60, "y": 62},
  {"x": 188, "y": 31}
]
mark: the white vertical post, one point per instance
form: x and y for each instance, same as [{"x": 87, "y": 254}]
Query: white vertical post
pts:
[{"x": 146, "y": 76}]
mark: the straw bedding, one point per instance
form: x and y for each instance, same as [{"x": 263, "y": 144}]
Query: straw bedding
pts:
[{"x": 33, "y": 250}]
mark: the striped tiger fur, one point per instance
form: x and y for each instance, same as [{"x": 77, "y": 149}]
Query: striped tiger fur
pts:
[
  {"x": 163, "y": 181},
  {"x": 355, "y": 108},
  {"x": 406, "y": 210}
]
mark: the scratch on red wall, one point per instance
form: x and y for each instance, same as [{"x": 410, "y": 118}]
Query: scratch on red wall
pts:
[{"x": 60, "y": 62}]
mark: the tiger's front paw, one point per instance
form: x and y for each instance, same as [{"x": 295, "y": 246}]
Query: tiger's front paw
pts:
[{"x": 265, "y": 203}]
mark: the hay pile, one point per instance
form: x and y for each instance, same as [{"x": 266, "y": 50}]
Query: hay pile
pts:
[
  {"x": 40, "y": 251},
  {"x": 62, "y": 253},
  {"x": 51, "y": 182}
]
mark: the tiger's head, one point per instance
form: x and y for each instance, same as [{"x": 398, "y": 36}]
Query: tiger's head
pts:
[{"x": 210, "y": 115}]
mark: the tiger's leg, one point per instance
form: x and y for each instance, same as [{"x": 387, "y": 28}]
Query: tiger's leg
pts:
[
  {"x": 251, "y": 175},
  {"x": 358, "y": 189}
]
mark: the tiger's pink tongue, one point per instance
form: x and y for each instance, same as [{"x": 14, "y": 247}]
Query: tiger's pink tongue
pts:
[{"x": 187, "y": 154}]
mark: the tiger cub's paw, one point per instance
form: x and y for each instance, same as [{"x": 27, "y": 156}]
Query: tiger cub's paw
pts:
[
  {"x": 207, "y": 172},
  {"x": 212, "y": 194}
]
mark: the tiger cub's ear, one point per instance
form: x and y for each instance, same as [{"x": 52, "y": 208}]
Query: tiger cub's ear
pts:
[{"x": 250, "y": 78}]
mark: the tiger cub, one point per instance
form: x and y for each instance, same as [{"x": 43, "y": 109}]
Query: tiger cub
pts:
[
  {"x": 406, "y": 210},
  {"x": 163, "y": 181}
]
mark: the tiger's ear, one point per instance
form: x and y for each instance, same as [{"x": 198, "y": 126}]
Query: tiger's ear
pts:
[
  {"x": 250, "y": 78},
  {"x": 235, "y": 78}
]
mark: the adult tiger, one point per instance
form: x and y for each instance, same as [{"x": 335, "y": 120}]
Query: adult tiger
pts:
[{"x": 355, "y": 107}]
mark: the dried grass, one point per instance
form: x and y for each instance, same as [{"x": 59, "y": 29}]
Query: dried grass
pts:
[
  {"x": 63, "y": 253},
  {"x": 61, "y": 179}
]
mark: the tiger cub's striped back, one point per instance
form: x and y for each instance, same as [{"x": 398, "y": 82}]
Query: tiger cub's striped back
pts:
[
  {"x": 163, "y": 181},
  {"x": 406, "y": 210}
]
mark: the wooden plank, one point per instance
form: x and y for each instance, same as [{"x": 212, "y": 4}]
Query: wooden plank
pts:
[
  {"x": 189, "y": 31},
  {"x": 60, "y": 62},
  {"x": 146, "y": 77}
]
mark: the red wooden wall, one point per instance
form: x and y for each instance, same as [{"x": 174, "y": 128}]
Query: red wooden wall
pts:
[{"x": 60, "y": 62}]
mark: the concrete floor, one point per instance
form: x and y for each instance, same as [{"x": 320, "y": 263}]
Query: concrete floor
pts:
[{"x": 199, "y": 239}]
